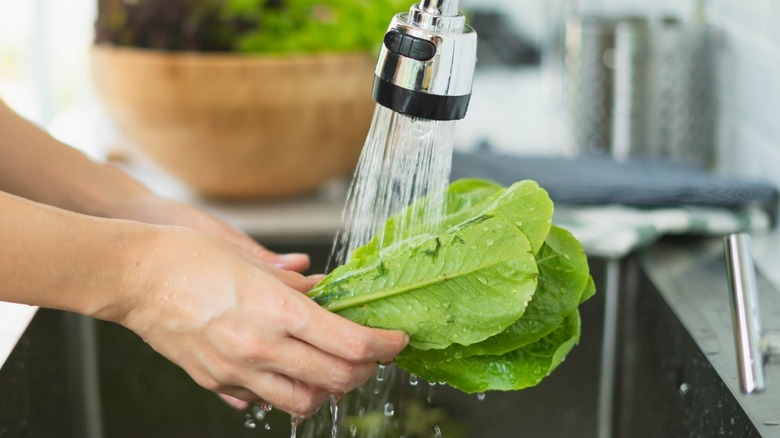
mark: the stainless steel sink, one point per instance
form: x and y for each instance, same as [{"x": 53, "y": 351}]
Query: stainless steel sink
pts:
[
  {"x": 70, "y": 376},
  {"x": 56, "y": 384}
]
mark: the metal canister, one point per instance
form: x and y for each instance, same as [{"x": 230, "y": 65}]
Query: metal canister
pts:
[{"x": 589, "y": 56}]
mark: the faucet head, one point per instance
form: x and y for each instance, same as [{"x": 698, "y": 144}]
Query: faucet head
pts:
[{"x": 426, "y": 64}]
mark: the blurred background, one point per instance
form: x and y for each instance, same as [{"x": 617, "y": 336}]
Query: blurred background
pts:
[
  {"x": 519, "y": 104},
  {"x": 688, "y": 81}
]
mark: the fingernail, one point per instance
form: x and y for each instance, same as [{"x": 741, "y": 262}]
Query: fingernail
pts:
[{"x": 284, "y": 260}]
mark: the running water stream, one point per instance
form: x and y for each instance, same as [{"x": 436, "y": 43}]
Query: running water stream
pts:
[{"x": 403, "y": 159}]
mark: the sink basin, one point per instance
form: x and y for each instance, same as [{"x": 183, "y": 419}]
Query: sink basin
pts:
[{"x": 72, "y": 376}]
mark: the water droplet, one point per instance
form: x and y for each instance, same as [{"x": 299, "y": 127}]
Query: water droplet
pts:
[
  {"x": 485, "y": 228},
  {"x": 436, "y": 431},
  {"x": 482, "y": 280},
  {"x": 352, "y": 430},
  {"x": 267, "y": 426},
  {"x": 771, "y": 423},
  {"x": 489, "y": 242},
  {"x": 426, "y": 308},
  {"x": 473, "y": 246},
  {"x": 519, "y": 223},
  {"x": 446, "y": 305},
  {"x": 732, "y": 421},
  {"x": 721, "y": 431},
  {"x": 376, "y": 391},
  {"x": 389, "y": 410},
  {"x": 257, "y": 413},
  {"x": 481, "y": 396},
  {"x": 249, "y": 423},
  {"x": 380, "y": 373},
  {"x": 684, "y": 388},
  {"x": 266, "y": 407},
  {"x": 414, "y": 380}
]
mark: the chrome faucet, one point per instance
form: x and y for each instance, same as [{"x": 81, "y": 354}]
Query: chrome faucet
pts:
[{"x": 426, "y": 64}]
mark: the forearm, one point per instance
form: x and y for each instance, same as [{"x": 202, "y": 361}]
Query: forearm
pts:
[
  {"x": 36, "y": 166},
  {"x": 58, "y": 259}
]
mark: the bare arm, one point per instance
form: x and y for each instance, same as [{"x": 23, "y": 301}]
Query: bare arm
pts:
[
  {"x": 220, "y": 307},
  {"x": 36, "y": 166},
  {"x": 237, "y": 325}
]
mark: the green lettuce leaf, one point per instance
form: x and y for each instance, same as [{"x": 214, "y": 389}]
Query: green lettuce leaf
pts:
[
  {"x": 488, "y": 295},
  {"x": 462, "y": 286},
  {"x": 524, "y": 204},
  {"x": 563, "y": 277},
  {"x": 517, "y": 369}
]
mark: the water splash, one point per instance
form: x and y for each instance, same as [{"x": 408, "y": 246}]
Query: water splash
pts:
[
  {"x": 403, "y": 159},
  {"x": 258, "y": 413},
  {"x": 294, "y": 422},
  {"x": 380, "y": 373},
  {"x": 249, "y": 422},
  {"x": 334, "y": 415}
]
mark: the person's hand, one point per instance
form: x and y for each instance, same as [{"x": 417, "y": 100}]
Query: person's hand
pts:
[
  {"x": 242, "y": 327},
  {"x": 155, "y": 210}
]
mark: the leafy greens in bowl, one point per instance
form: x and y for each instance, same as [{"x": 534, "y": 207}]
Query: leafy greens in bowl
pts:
[{"x": 489, "y": 296}]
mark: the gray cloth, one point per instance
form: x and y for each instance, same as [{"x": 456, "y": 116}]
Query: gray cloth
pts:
[
  {"x": 615, "y": 208},
  {"x": 602, "y": 181}
]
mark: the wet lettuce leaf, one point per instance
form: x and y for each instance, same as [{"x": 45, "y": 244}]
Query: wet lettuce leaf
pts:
[
  {"x": 517, "y": 369},
  {"x": 488, "y": 296}
]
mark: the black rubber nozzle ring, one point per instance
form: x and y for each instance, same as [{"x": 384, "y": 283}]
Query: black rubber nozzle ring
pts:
[{"x": 419, "y": 104}]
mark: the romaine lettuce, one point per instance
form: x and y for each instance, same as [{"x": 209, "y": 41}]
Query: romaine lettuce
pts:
[{"x": 488, "y": 296}]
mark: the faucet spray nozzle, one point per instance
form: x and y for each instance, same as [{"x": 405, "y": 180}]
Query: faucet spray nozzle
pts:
[{"x": 426, "y": 65}]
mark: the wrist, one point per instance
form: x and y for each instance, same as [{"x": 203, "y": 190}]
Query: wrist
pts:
[
  {"x": 107, "y": 191},
  {"x": 129, "y": 268}
]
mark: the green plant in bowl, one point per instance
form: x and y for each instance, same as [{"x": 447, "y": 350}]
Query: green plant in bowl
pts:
[
  {"x": 247, "y": 26},
  {"x": 234, "y": 98}
]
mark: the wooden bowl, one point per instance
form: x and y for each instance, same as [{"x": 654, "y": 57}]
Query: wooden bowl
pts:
[{"x": 240, "y": 126}]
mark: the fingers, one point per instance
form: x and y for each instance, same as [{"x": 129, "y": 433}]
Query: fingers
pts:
[
  {"x": 346, "y": 339},
  {"x": 300, "y": 361},
  {"x": 297, "y": 281},
  {"x": 292, "y": 262},
  {"x": 289, "y": 395},
  {"x": 234, "y": 402}
]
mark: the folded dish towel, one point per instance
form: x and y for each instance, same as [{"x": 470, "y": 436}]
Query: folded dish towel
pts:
[{"x": 615, "y": 208}]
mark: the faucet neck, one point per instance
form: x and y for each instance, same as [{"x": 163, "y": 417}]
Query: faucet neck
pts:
[{"x": 446, "y": 8}]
